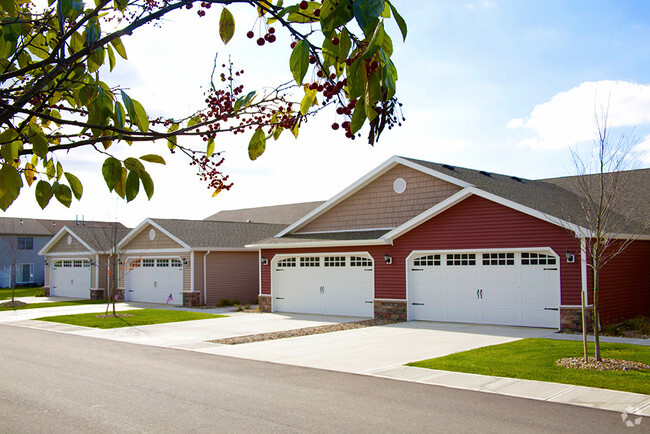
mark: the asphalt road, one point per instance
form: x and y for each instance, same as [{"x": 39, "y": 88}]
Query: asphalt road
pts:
[{"x": 53, "y": 382}]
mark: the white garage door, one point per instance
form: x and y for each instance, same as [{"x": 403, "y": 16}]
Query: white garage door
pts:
[
  {"x": 507, "y": 288},
  {"x": 155, "y": 280},
  {"x": 331, "y": 285},
  {"x": 70, "y": 278}
]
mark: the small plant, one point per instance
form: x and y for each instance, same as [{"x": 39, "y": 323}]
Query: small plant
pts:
[
  {"x": 239, "y": 308},
  {"x": 40, "y": 293},
  {"x": 226, "y": 302}
]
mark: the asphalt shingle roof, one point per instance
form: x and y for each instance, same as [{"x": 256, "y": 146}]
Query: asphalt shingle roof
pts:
[
  {"x": 278, "y": 214},
  {"x": 21, "y": 226},
  {"x": 100, "y": 239},
  {"x": 53, "y": 226}
]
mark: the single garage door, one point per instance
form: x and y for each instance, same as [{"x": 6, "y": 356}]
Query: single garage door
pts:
[
  {"x": 507, "y": 288},
  {"x": 331, "y": 285},
  {"x": 70, "y": 278},
  {"x": 155, "y": 280}
]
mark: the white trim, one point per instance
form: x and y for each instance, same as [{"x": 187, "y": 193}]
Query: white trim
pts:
[
  {"x": 327, "y": 243},
  {"x": 59, "y": 235},
  {"x": 135, "y": 231},
  {"x": 392, "y": 300},
  {"x": 365, "y": 180},
  {"x": 575, "y": 306},
  {"x": 97, "y": 270},
  {"x": 156, "y": 251},
  {"x": 205, "y": 277},
  {"x": 68, "y": 254},
  {"x": 191, "y": 264},
  {"x": 259, "y": 272}
]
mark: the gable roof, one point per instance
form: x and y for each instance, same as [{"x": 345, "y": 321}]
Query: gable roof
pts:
[
  {"x": 96, "y": 239},
  {"x": 22, "y": 226},
  {"x": 277, "y": 214},
  {"x": 207, "y": 234},
  {"x": 54, "y": 226}
]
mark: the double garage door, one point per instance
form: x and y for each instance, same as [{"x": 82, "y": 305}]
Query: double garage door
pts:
[
  {"x": 154, "y": 280},
  {"x": 507, "y": 288},
  {"x": 70, "y": 278},
  {"x": 332, "y": 285}
]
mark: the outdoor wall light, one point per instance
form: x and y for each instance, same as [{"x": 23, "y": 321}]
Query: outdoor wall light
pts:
[
  {"x": 570, "y": 257},
  {"x": 388, "y": 259},
  {"x": 46, "y": 263},
  {"x": 265, "y": 261},
  {"x": 120, "y": 262},
  {"x": 185, "y": 261},
  {"x": 93, "y": 263}
]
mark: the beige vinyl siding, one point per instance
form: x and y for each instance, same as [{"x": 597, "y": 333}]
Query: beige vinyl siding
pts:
[
  {"x": 63, "y": 246},
  {"x": 102, "y": 284},
  {"x": 142, "y": 241},
  {"x": 378, "y": 206},
  {"x": 232, "y": 275}
]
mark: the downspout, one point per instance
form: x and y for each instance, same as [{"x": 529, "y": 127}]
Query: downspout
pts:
[
  {"x": 259, "y": 274},
  {"x": 191, "y": 272},
  {"x": 96, "y": 270},
  {"x": 205, "y": 278}
]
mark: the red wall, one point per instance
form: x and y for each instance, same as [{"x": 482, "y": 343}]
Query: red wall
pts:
[
  {"x": 474, "y": 223},
  {"x": 625, "y": 284}
]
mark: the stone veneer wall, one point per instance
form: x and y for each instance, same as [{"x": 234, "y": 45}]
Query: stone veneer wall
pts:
[
  {"x": 571, "y": 318},
  {"x": 191, "y": 299},
  {"x": 265, "y": 303},
  {"x": 390, "y": 310},
  {"x": 97, "y": 294}
]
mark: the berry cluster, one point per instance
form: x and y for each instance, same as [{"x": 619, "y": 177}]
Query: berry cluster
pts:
[
  {"x": 208, "y": 170},
  {"x": 200, "y": 12},
  {"x": 268, "y": 37}
]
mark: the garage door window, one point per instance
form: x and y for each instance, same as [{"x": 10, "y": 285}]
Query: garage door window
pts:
[
  {"x": 313, "y": 261},
  {"x": 67, "y": 264},
  {"x": 335, "y": 261},
  {"x": 162, "y": 262},
  {"x": 498, "y": 259},
  {"x": 461, "y": 259},
  {"x": 148, "y": 263},
  {"x": 288, "y": 262},
  {"x": 176, "y": 263},
  {"x": 537, "y": 259},
  {"x": 424, "y": 261},
  {"x": 135, "y": 263},
  {"x": 358, "y": 261}
]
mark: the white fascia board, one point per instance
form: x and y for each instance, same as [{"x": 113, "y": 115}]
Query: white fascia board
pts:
[
  {"x": 365, "y": 180},
  {"x": 142, "y": 225},
  {"x": 154, "y": 251},
  {"x": 220, "y": 249},
  {"x": 469, "y": 191},
  {"x": 59, "y": 236},
  {"x": 328, "y": 243}
]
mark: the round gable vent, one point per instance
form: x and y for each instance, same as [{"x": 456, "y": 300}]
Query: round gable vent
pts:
[
  {"x": 399, "y": 185},
  {"x": 152, "y": 234},
  {"x": 69, "y": 240}
]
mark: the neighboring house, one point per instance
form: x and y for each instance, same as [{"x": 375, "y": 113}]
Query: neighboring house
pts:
[
  {"x": 191, "y": 262},
  {"x": 277, "y": 214},
  {"x": 20, "y": 241},
  {"x": 423, "y": 241},
  {"x": 77, "y": 260}
]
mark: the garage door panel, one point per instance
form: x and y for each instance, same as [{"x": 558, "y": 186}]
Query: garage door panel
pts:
[
  {"x": 153, "y": 280},
  {"x": 70, "y": 278}
]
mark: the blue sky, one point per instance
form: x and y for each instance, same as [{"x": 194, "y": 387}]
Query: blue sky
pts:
[{"x": 502, "y": 86}]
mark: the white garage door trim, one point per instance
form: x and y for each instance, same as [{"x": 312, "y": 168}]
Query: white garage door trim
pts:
[
  {"x": 551, "y": 315},
  {"x": 363, "y": 308},
  {"x": 149, "y": 291},
  {"x": 76, "y": 268}
]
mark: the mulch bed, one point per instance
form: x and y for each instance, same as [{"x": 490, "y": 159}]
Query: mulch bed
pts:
[
  {"x": 329, "y": 328},
  {"x": 15, "y": 303},
  {"x": 606, "y": 365},
  {"x": 110, "y": 315}
]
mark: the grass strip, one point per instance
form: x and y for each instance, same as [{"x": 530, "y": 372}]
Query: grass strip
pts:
[
  {"x": 52, "y": 304},
  {"x": 136, "y": 317},
  {"x": 534, "y": 359}
]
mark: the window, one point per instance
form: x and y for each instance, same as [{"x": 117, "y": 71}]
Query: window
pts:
[
  {"x": 498, "y": 259},
  {"x": 176, "y": 263},
  {"x": 25, "y": 243},
  {"x": 461, "y": 259},
  {"x": 288, "y": 262},
  {"x": 430, "y": 260},
  {"x": 58, "y": 263},
  {"x": 24, "y": 273},
  {"x": 77, "y": 264},
  {"x": 358, "y": 261},
  {"x": 67, "y": 263},
  {"x": 148, "y": 263},
  {"x": 162, "y": 262},
  {"x": 135, "y": 263},
  {"x": 312, "y": 261},
  {"x": 335, "y": 261},
  {"x": 537, "y": 259}
]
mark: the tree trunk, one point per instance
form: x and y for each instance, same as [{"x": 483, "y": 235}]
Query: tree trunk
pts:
[
  {"x": 596, "y": 317},
  {"x": 583, "y": 302}
]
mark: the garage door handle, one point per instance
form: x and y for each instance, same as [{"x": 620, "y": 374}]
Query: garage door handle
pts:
[
  {"x": 279, "y": 298},
  {"x": 551, "y": 308},
  {"x": 417, "y": 269},
  {"x": 368, "y": 301},
  {"x": 130, "y": 290},
  {"x": 550, "y": 269},
  {"x": 417, "y": 304}
]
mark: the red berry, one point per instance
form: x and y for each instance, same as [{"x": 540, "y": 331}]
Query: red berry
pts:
[
  {"x": 335, "y": 40},
  {"x": 271, "y": 38},
  {"x": 189, "y": 6},
  {"x": 304, "y": 5},
  {"x": 250, "y": 34},
  {"x": 312, "y": 59},
  {"x": 293, "y": 44},
  {"x": 319, "y": 73},
  {"x": 260, "y": 41},
  {"x": 335, "y": 126},
  {"x": 339, "y": 110},
  {"x": 317, "y": 12},
  {"x": 271, "y": 30}
]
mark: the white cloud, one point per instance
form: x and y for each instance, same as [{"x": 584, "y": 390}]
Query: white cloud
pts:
[
  {"x": 569, "y": 117},
  {"x": 643, "y": 148}
]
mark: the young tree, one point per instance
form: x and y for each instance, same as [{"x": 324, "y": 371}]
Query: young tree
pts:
[
  {"x": 53, "y": 98},
  {"x": 612, "y": 220}
]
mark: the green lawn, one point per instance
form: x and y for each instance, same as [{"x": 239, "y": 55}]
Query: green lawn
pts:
[
  {"x": 5, "y": 293},
  {"x": 534, "y": 359},
  {"x": 139, "y": 317},
  {"x": 53, "y": 304}
]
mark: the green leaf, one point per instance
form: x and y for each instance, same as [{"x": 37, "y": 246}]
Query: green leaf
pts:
[
  {"x": 307, "y": 100},
  {"x": 93, "y": 32},
  {"x": 356, "y": 79},
  {"x": 50, "y": 170},
  {"x": 333, "y": 14},
  {"x": 8, "y": 6},
  {"x": 9, "y": 151},
  {"x": 112, "y": 171},
  {"x": 374, "y": 43},
  {"x": 120, "y": 187},
  {"x": 344, "y": 45},
  {"x": 141, "y": 119},
  {"x": 193, "y": 121},
  {"x": 299, "y": 61},
  {"x": 400, "y": 21},
  {"x": 153, "y": 158},
  {"x": 111, "y": 57},
  {"x": 210, "y": 150},
  {"x": 330, "y": 51},
  {"x": 226, "y": 26},
  {"x": 63, "y": 194},
  {"x": 134, "y": 164},
  {"x": 117, "y": 44},
  {"x": 367, "y": 13},
  {"x": 372, "y": 94},
  {"x": 257, "y": 144},
  {"x": 121, "y": 4},
  {"x": 358, "y": 117},
  {"x": 147, "y": 183},
  {"x": 75, "y": 185},
  {"x": 10, "y": 185},
  {"x": 244, "y": 101},
  {"x": 43, "y": 193},
  {"x": 119, "y": 115},
  {"x": 59, "y": 170},
  {"x": 132, "y": 185}
]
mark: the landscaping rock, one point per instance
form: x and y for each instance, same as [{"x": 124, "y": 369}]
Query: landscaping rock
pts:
[
  {"x": 606, "y": 365},
  {"x": 15, "y": 303}
]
